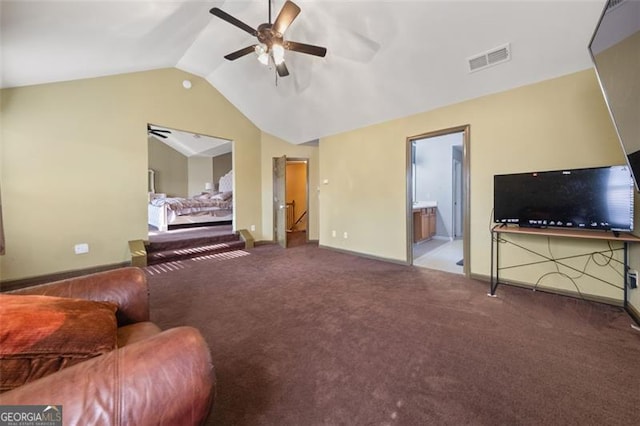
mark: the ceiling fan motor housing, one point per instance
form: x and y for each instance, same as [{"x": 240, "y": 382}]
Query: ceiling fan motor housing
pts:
[{"x": 267, "y": 35}]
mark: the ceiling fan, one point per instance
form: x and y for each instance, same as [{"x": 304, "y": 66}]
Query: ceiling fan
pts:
[
  {"x": 157, "y": 132},
  {"x": 271, "y": 44}
]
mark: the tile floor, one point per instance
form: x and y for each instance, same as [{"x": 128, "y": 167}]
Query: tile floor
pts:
[{"x": 443, "y": 257}]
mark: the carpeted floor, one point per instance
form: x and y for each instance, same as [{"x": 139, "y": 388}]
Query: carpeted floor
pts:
[{"x": 310, "y": 336}]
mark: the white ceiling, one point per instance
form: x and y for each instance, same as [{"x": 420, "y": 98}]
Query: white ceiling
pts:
[
  {"x": 385, "y": 60},
  {"x": 192, "y": 144}
]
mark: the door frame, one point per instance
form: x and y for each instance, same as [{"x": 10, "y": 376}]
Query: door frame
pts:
[
  {"x": 466, "y": 184},
  {"x": 457, "y": 197}
]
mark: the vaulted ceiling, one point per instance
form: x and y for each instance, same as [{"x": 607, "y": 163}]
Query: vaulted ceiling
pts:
[{"x": 385, "y": 60}]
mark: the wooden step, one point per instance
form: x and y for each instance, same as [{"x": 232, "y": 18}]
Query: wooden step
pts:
[
  {"x": 181, "y": 247},
  {"x": 190, "y": 242},
  {"x": 175, "y": 247},
  {"x": 192, "y": 251}
]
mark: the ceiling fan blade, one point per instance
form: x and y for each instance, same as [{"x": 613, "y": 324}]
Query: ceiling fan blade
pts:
[
  {"x": 286, "y": 16},
  {"x": 282, "y": 70},
  {"x": 160, "y": 135},
  {"x": 240, "y": 53},
  {"x": 233, "y": 21},
  {"x": 305, "y": 48},
  {"x": 157, "y": 132}
]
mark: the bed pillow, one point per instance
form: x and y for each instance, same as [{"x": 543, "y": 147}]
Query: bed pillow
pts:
[
  {"x": 40, "y": 335},
  {"x": 202, "y": 196},
  {"x": 224, "y": 196}
]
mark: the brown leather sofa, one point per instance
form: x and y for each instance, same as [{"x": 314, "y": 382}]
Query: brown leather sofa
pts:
[{"x": 154, "y": 377}]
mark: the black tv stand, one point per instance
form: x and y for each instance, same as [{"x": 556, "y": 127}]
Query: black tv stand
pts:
[{"x": 498, "y": 233}]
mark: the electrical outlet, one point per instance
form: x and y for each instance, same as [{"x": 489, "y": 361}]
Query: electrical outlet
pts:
[
  {"x": 333, "y": 233},
  {"x": 632, "y": 278},
  {"x": 81, "y": 248},
  {"x": 345, "y": 235},
  {"x": 253, "y": 227}
]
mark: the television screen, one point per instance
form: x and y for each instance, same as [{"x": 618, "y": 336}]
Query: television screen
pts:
[
  {"x": 592, "y": 198},
  {"x": 614, "y": 49}
]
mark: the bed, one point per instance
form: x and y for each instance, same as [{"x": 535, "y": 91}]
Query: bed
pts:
[{"x": 201, "y": 210}]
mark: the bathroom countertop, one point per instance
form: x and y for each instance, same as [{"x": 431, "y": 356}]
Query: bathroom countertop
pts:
[{"x": 424, "y": 204}]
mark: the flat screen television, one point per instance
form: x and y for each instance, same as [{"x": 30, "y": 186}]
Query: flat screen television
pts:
[
  {"x": 615, "y": 51},
  {"x": 599, "y": 198}
]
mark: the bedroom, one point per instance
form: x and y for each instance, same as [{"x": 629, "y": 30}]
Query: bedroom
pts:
[{"x": 190, "y": 179}]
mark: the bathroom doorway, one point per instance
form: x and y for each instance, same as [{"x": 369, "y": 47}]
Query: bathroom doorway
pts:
[{"x": 437, "y": 200}]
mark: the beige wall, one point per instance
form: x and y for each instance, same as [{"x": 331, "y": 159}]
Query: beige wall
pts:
[
  {"x": 555, "y": 124},
  {"x": 221, "y": 166},
  {"x": 75, "y": 164},
  {"x": 170, "y": 167},
  {"x": 200, "y": 172},
  {"x": 274, "y": 147}
]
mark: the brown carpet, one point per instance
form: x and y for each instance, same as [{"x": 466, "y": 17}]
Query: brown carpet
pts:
[{"x": 309, "y": 336}]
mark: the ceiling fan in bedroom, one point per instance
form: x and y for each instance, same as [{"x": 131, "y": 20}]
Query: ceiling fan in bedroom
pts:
[
  {"x": 161, "y": 133},
  {"x": 271, "y": 43}
]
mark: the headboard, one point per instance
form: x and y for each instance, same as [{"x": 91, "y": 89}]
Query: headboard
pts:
[{"x": 225, "y": 184}]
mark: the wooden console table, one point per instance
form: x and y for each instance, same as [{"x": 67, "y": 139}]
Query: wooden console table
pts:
[{"x": 621, "y": 237}]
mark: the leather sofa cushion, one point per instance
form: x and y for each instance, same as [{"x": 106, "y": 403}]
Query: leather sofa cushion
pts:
[
  {"x": 136, "y": 332},
  {"x": 40, "y": 335}
]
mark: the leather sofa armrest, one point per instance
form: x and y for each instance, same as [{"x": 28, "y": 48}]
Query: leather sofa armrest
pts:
[
  {"x": 126, "y": 287},
  {"x": 165, "y": 379}
]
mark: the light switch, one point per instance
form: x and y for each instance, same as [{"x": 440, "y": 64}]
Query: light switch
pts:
[{"x": 81, "y": 248}]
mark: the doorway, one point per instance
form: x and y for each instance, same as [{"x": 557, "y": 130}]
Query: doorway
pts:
[
  {"x": 438, "y": 200},
  {"x": 290, "y": 201},
  {"x": 195, "y": 169}
]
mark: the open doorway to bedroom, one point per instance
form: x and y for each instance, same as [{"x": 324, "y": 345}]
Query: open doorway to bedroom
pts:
[
  {"x": 438, "y": 200},
  {"x": 190, "y": 182}
]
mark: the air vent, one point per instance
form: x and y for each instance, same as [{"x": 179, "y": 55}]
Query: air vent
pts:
[
  {"x": 614, "y": 4},
  {"x": 490, "y": 58}
]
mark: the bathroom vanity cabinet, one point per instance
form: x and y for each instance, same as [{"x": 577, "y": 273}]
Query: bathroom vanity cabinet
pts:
[{"x": 424, "y": 223}]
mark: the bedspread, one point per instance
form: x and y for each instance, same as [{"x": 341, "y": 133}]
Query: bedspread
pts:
[{"x": 186, "y": 206}]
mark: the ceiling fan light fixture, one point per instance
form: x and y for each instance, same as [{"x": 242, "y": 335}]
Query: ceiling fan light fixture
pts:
[
  {"x": 271, "y": 44},
  {"x": 263, "y": 56},
  {"x": 278, "y": 53}
]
